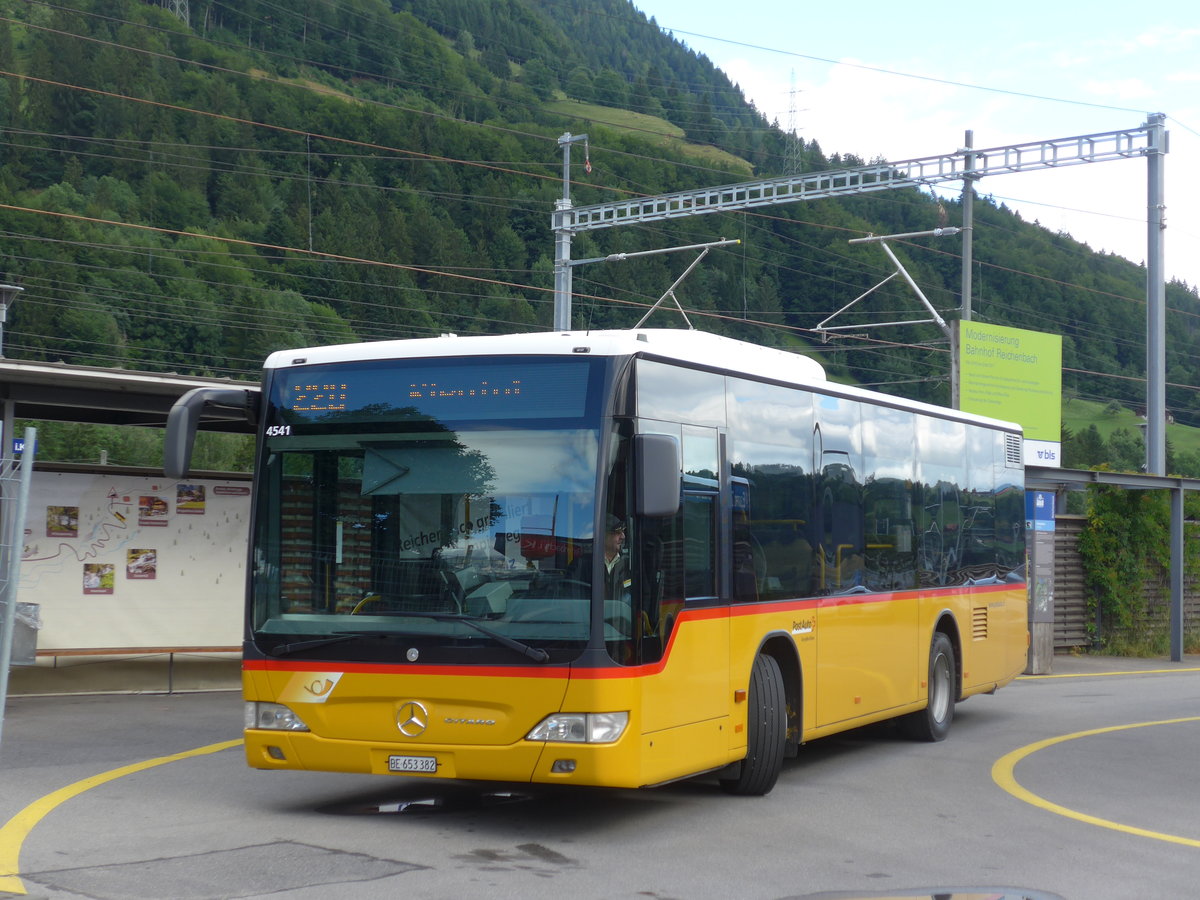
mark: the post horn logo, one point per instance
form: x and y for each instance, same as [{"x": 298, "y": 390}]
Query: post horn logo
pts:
[
  {"x": 412, "y": 719},
  {"x": 320, "y": 687}
]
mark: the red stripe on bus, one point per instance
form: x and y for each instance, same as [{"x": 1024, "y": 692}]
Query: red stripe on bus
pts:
[
  {"x": 701, "y": 614},
  {"x": 274, "y": 665}
]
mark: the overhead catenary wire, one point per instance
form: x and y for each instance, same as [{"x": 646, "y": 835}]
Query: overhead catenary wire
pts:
[
  {"x": 359, "y": 261},
  {"x": 327, "y": 137},
  {"x": 430, "y": 84}
]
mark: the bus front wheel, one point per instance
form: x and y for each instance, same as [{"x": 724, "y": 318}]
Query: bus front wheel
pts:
[
  {"x": 933, "y": 722},
  {"x": 766, "y": 731}
]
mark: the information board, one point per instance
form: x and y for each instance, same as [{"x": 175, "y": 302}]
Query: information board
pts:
[
  {"x": 129, "y": 561},
  {"x": 1015, "y": 375}
]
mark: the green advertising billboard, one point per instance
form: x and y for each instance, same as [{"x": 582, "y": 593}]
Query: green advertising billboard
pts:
[{"x": 1012, "y": 374}]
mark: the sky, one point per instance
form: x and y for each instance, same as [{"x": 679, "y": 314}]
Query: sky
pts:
[{"x": 894, "y": 82}]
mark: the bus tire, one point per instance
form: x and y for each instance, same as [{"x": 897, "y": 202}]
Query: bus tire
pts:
[
  {"x": 766, "y": 731},
  {"x": 933, "y": 722}
]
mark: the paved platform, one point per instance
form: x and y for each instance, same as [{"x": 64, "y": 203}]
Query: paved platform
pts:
[
  {"x": 146, "y": 673},
  {"x": 1077, "y": 784},
  {"x": 1098, "y": 664}
]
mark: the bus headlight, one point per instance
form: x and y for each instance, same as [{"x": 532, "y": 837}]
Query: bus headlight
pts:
[
  {"x": 273, "y": 717},
  {"x": 581, "y": 728}
]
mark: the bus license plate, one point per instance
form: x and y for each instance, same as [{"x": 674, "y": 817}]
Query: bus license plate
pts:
[{"x": 412, "y": 763}]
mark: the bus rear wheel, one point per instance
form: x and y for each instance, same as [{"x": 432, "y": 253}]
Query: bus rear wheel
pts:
[
  {"x": 933, "y": 722},
  {"x": 766, "y": 731}
]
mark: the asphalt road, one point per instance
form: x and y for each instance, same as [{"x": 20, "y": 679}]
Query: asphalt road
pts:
[{"x": 1082, "y": 786}]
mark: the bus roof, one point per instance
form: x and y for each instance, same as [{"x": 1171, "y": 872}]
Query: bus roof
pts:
[
  {"x": 685, "y": 345},
  {"x": 672, "y": 343}
]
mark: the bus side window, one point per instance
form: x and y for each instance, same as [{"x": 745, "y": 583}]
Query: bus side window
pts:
[
  {"x": 699, "y": 545},
  {"x": 837, "y": 496},
  {"x": 677, "y": 555},
  {"x": 678, "y": 562},
  {"x": 701, "y": 464},
  {"x": 653, "y": 584},
  {"x": 749, "y": 564}
]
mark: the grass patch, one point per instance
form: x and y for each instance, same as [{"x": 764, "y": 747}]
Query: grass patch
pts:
[
  {"x": 307, "y": 83},
  {"x": 653, "y": 130},
  {"x": 1146, "y": 646},
  {"x": 1078, "y": 414}
]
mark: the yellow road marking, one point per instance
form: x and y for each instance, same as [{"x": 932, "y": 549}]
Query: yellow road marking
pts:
[
  {"x": 16, "y": 829},
  {"x": 1118, "y": 672},
  {"x": 1002, "y": 774}
]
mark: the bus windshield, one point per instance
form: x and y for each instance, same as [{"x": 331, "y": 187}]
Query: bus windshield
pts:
[{"x": 448, "y": 522}]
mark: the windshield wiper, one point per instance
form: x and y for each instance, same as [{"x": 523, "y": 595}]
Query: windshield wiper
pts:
[
  {"x": 340, "y": 637},
  {"x": 537, "y": 654}
]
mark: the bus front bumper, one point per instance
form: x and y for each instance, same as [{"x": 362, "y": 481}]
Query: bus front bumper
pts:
[{"x": 612, "y": 765}]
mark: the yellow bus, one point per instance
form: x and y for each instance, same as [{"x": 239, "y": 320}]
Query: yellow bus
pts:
[{"x": 612, "y": 558}]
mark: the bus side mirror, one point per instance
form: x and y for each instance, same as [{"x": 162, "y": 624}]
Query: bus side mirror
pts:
[
  {"x": 185, "y": 416},
  {"x": 656, "y": 461}
]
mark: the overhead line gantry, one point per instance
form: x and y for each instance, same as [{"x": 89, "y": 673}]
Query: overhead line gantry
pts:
[{"x": 967, "y": 165}]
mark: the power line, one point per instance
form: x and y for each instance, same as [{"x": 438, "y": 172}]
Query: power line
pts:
[
  {"x": 893, "y": 72},
  {"x": 267, "y": 125},
  {"x": 343, "y": 184},
  {"x": 430, "y": 86}
]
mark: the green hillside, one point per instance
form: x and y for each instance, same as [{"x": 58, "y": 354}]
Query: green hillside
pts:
[
  {"x": 192, "y": 195},
  {"x": 1120, "y": 430},
  {"x": 654, "y": 130}
]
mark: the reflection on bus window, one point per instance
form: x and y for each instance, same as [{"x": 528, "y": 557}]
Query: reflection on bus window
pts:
[{"x": 828, "y": 497}]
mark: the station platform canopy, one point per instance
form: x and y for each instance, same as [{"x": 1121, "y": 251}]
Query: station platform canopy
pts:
[{"x": 58, "y": 392}]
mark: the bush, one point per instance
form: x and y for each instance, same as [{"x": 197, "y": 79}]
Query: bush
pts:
[{"x": 1125, "y": 548}]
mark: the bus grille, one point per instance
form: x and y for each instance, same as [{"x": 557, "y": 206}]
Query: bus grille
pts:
[
  {"x": 1012, "y": 450},
  {"x": 979, "y": 623}
]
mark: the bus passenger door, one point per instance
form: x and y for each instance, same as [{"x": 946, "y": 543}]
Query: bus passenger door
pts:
[{"x": 686, "y": 624}]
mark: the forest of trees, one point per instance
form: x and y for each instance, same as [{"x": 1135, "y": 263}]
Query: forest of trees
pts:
[{"x": 189, "y": 196}]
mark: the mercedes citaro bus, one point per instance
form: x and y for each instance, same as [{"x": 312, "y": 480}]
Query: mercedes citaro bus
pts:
[{"x": 431, "y": 592}]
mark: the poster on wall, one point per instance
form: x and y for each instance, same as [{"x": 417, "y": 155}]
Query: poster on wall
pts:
[
  {"x": 62, "y": 521},
  {"x": 152, "y": 511},
  {"x": 141, "y": 564},
  {"x": 189, "y": 499},
  {"x": 111, "y": 566},
  {"x": 99, "y": 578}
]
